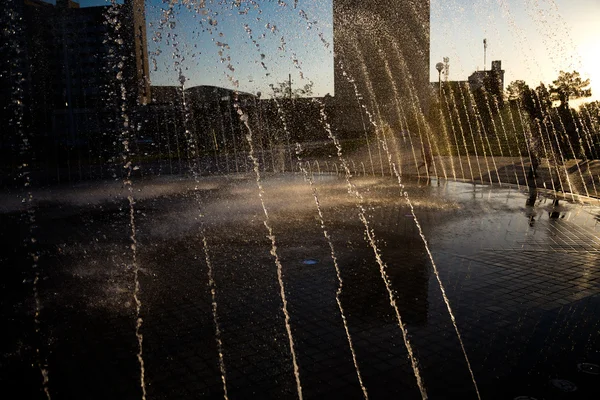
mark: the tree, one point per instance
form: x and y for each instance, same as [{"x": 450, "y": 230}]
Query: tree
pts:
[
  {"x": 516, "y": 90},
  {"x": 536, "y": 101},
  {"x": 283, "y": 90},
  {"x": 542, "y": 98},
  {"x": 569, "y": 85}
]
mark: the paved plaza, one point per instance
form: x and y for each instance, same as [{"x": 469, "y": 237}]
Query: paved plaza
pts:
[{"x": 521, "y": 273}]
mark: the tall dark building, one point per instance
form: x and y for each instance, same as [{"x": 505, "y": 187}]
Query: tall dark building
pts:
[
  {"x": 80, "y": 69},
  {"x": 68, "y": 67},
  {"x": 383, "y": 46},
  {"x": 134, "y": 16},
  {"x": 13, "y": 74}
]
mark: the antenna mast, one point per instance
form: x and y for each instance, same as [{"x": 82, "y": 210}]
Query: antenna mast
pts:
[{"x": 484, "y": 52}]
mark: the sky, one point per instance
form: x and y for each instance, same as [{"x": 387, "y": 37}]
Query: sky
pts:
[
  {"x": 250, "y": 48},
  {"x": 247, "y": 48}
]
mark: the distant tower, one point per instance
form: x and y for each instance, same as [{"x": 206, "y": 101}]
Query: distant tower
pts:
[
  {"x": 137, "y": 11},
  {"x": 498, "y": 74},
  {"x": 484, "y": 52}
]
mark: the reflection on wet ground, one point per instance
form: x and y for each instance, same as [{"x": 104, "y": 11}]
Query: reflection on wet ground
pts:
[{"x": 521, "y": 271}]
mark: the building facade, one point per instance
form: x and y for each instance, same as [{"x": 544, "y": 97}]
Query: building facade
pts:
[
  {"x": 68, "y": 68},
  {"x": 381, "y": 62},
  {"x": 492, "y": 80}
]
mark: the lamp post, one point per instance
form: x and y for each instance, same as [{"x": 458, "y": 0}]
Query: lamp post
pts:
[{"x": 440, "y": 67}]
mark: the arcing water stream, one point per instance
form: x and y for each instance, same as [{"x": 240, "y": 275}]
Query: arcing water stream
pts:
[{"x": 400, "y": 126}]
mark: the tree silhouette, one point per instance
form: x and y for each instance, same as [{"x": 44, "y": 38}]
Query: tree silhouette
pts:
[
  {"x": 283, "y": 90},
  {"x": 516, "y": 90},
  {"x": 543, "y": 98},
  {"x": 536, "y": 101},
  {"x": 569, "y": 85}
]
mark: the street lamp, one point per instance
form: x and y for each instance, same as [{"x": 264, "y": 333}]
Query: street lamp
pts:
[{"x": 440, "y": 67}]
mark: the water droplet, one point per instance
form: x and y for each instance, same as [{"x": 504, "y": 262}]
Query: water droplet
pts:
[
  {"x": 563, "y": 385},
  {"x": 588, "y": 368}
]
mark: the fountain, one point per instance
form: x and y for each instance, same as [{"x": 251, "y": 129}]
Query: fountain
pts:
[{"x": 183, "y": 240}]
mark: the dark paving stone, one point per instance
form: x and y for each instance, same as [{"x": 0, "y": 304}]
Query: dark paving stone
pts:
[{"x": 525, "y": 298}]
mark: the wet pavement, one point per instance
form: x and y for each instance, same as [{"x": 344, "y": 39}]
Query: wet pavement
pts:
[{"x": 521, "y": 273}]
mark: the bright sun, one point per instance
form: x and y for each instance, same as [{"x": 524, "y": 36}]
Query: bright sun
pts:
[{"x": 589, "y": 52}]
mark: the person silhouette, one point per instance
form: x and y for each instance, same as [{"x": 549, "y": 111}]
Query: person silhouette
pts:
[
  {"x": 554, "y": 213},
  {"x": 530, "y": 212},
  {"x": 427, "y": 158},
  {"x": 534, "y": 151},
  {"x": 532, "y": 197}
]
